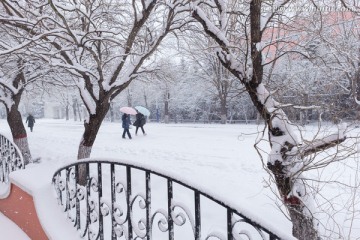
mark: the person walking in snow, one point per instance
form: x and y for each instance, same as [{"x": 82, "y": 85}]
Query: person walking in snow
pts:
[
  {"x": 30, "y": 121},
  {"x": 126, "y": 122},
  {"x": 140, "y": 122}
]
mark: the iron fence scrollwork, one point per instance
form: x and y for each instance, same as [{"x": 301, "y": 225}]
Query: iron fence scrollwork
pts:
[
  {"x": 11, "y": 159},
  {"x": 122, "y": 201}
]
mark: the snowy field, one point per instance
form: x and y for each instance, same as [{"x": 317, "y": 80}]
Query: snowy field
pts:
[{"x": 218, "y": 158}]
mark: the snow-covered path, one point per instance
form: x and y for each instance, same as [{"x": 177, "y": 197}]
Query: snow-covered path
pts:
[
  {"x": 219, "y": 159},
  {"x": 215, "y": 157}
]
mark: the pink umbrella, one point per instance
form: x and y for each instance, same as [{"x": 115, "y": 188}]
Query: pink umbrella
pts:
[{"x": 128, "y": 110}]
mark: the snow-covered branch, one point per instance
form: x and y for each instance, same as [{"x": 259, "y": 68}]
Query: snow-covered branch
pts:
[{"x": 319, "y": 145}]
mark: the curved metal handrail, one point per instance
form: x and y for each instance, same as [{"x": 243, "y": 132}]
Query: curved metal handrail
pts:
[
  {"x": 109, "y": 208},
  {"x": 11, "y": 158}
]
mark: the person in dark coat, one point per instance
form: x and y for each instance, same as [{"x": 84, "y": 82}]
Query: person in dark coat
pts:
[
  {"x": 140, "y": 122},
  {"x": 126, "y": 122},
  {"x": 30, "y": 121}
]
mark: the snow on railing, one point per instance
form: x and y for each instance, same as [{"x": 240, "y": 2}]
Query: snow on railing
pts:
[
  {"x": 124, "y": 201},
  {"x": 11, "y": 159}
]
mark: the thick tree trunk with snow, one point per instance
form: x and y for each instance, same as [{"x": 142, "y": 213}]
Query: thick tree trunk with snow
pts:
[
  {"x": 18, "y": 131},
  {"x": 83, "y": 152},
  {"x": 303, "y": 223},
  {"x": 278, "y": 127},
  {"x": 282, "y": 157},
  {"x": 91, "y": 129},
  {"x": 303, "y": 227},
  {"x": 23, "y": 145}
]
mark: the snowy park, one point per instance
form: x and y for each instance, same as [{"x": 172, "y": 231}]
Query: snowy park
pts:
[
  {"x": 218, "y": 159},
  {"x": 251, "y": 112}
]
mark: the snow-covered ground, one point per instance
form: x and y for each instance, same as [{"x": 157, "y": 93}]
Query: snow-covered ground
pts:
[
  {"x": 217, "y": 158},
  {"x": 9, "y": 230}
]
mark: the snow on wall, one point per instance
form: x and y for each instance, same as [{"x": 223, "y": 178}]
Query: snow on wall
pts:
[{"x": 52, "y": 218}]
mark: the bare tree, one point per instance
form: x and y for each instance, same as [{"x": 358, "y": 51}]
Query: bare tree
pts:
[
  {"x": 340, "y": 38},
  {"x": 17, "y": 71},
  {"x": 289, "y": 157},
  {"x": 102, "y": 43},
  {"x": 223, "y": 84},
  {"x": 12, "y": 84}
]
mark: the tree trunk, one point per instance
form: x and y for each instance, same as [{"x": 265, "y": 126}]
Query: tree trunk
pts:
[
  {"x": 258, "y": 118},
  {"x": 83, "y": 152},
  {"x": 18, "y": 132},
  {"x": 245, "y": 114},
  {"x": 91, "y": 129},
  {"x": 223, "y": 111},
  {"x": 303, "y": 222},
  {"x": 356, "y": 91},
  {"x": 281, "y": 138},
  {"x": 67, "y": 112},
  {"x": 79, "y": 111},
  {"x": 303, "y": 227},
  {"x": 145, "y": 100},
  {"x": 302, "y": 121},
  {"x": 277, "y": 122},
  {"x": 74, "y": 109},
  {"x": 166, "y": 108},
  {"x": 23, "y": 145},
  {"x": 112, "y": 118},
  {"x": 306, "y": 99},
  {"x": 223, "y": 118},
  {"x": 129, "y": 98}
]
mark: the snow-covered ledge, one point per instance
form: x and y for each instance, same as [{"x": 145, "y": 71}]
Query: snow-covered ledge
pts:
[
  {"x": 4, "y": 190},
  {"x": 32, "y": 205},
  {"x": 19, "y": 207}
]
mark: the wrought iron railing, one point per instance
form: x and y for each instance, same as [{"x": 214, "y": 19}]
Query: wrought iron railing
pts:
[
  {"x": 124, "y": 201},
  {"x": 11, "y": 159}
]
